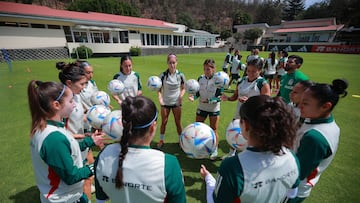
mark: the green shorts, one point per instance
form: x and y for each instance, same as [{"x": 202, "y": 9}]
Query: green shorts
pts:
[{"x": 204, "y": 114}]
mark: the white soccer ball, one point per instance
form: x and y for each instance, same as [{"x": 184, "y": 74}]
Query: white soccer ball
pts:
[
  {"x": 234, "y": 137},
  {"x": 116, "y": 86},
  {"x": 221, "y": 79},
  {"x": 96, "y": 115},
  {"x": 101, "y": 98},
  {"x": 198, "y": 140},
  {"x": 154, "y": 83},
  {"x": 243, "y": 66},
  {"x": 113, "y": 126},
  {"x": 192, "y": 86}
]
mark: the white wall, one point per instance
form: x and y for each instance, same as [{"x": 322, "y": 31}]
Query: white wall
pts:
[
  {"x": 102, "y": 47},
  {"x": 27, "y": 38}
]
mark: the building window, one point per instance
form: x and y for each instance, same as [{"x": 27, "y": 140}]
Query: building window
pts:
[
  {"x": 178, "y": 40},
  {"x": 24, "y": 25},
  {"x": 142, "y": 36},
  {"x": 54, "y": 27},
  {"x": 124, "y": 36},
  {"x": 97, "y": 37},
  {"x": 115, "y": 37},
  {"x": 34, "y": 25},
  {"x": 80, "y": 37},
  {"x": 9, "y": 24},
  {"x": 165, "y": 40},
  {"x": 68, "y": 34}
]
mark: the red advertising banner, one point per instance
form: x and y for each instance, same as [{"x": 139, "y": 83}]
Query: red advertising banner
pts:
[{"x": 345, "y": 49}]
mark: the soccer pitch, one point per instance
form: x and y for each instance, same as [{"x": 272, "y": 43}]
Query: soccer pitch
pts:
[{"x": 339, "y": 183}]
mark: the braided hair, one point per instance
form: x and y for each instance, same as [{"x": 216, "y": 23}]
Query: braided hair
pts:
[{"x": 138, "y": 113}]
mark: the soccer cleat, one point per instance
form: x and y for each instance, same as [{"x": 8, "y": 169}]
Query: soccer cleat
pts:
[{"x": 160, "y": 144}]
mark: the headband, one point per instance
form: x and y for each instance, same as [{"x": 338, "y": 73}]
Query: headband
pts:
[
  {"x": 61, "y": 93},
  {"x": 148, "y": 124}
]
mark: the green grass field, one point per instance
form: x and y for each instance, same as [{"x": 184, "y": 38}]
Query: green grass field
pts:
[{"x": 339, "y": 183}]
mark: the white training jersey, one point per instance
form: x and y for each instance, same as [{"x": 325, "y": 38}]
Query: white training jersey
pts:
[
  {"x": 235, "y": 65},
  {"x": 248, "y": 89},
  {"x": 131, "y": 82},
  {"x": 207, "y": 92},
  {"x": 271, "y": 69},
  {"x": 171, "y": 87},
  {"x": 54, "y": 191},
  {"x": 328, "y": 129},
  {"x": 267, "y": 176},
  {"x": 143, "y": 170},
  {"x": 86, "y": 94}
]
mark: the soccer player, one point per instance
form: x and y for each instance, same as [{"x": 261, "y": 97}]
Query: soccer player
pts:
[
  {"x": 266, "y": 170},
  {"x": 319, "y": 135},
  {"x": 56, "y": 155},
  {"x": 130, "y": 78},
  {"x": 209, "y": 100},
  {"x": 296, "y": 95},
  {"x": 293, "y": 76},
  {"x": 270, "y": 68},
  {"x": 170, "y": 96},
  {"x": 130, "y": 171},
  {"x": 227, "y": 60},
  {"x": 250, "y": 85}
]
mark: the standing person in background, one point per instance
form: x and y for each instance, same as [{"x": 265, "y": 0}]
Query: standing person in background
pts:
[
  {"x": 235, "y": 67},
  {"x": 292, "y": 77},
  {"x": 170, "y": 96},
  {"x": 130, "y": 79},
  {"x": 270, "y": 68},
  {"x": 74, "y": 77},
  {"x": 283, "y": 58},
  {"x": 209, "y": 100},
  {"x": 319, "y": 135},
  {"x": 267, "y": 169},
  {"x": 227, "y": 60},
  {"x": 56, "y": 155},
  {"x": 130, "y": 171},
  {"x": 251, "y": 85}
]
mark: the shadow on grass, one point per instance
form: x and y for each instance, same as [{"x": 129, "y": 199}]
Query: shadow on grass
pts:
[
  {"x": 191, "y": 169},
  {"x": 31, "y": 194}
]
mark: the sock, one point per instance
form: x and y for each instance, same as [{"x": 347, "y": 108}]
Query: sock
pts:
[{"x": 162, "y": 136}]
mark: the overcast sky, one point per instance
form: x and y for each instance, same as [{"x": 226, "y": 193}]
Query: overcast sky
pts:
[{"x": 310, "y": 2}]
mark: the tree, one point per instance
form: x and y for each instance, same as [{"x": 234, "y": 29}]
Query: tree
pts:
[
  {"x": 237, "y": 36},
  {"x": 318, "y": 10},
  {"x": 104, "y": 6},
  {"x": 225, "y": 34},
  {"x": 185, "y": 18},
  {"x": 269, "y": 12},
  {"x": 293, "y": 9},
  {"x": 253, "y": 34},
  {"x": 241, "y": 18}
]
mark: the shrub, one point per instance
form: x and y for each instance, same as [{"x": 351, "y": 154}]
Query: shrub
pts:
[
  {"x": 83, "y": 52},
  {"x": 135, "y": 51}
]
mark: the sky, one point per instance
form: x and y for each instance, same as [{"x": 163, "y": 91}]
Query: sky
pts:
[{"x": 311, "y": 2}]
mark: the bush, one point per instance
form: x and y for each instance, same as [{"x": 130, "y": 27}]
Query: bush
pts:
[
  {"x": 83, "y": 52},
  {"x": 135, "y": 51}
]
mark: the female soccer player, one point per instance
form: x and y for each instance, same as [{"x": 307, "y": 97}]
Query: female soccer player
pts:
[
  {"x": 250, "y": 85},
  {"x": 319, "y": 134},
  {"x": 130, "y": 79},
  {"x": 130, "y": 171},
  {"x": 270, "y": 68},
  {"x": 209, "y": 100},
  {"x": 170, "y": 96},
  {"x": 56, "y": 155},
  {"x": 266, "y": 170}
]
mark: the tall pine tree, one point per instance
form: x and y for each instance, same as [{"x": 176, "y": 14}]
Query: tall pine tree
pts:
[{"x": 293, "y": 9}]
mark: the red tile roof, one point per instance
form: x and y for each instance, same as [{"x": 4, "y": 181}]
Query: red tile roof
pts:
[
  {"x": 43, "y": 11},
  {"x": 310, "y": 29}
]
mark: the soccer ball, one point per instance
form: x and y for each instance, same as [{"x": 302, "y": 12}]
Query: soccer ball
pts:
[
  {"x": 192, "y": 86},
  {"x": 221, "y": 79},
  {"x": 243, "y": 66},
  {"x": 96, "y": 115},
  {"x": 112, "y": 125},
  {"x": 154, "y": 83},
  {"x": 100, "y": 97},
  {"x": 234, "y": 137},
  {"x": 198, "y": 140},
  {"x": 116, "y": 87}
]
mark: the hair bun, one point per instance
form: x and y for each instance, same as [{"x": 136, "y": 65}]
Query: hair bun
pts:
[
  {"x": 60, "y": 65},
  {"x": 339, "y": 86}
]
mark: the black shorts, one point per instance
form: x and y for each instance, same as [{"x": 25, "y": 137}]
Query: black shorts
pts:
[
  {"x": 170, "y": 106},
  {"x": 235, "y": 76},
  {"x": 204, "y": 114},
  {"x": 272, "y": 76}
]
